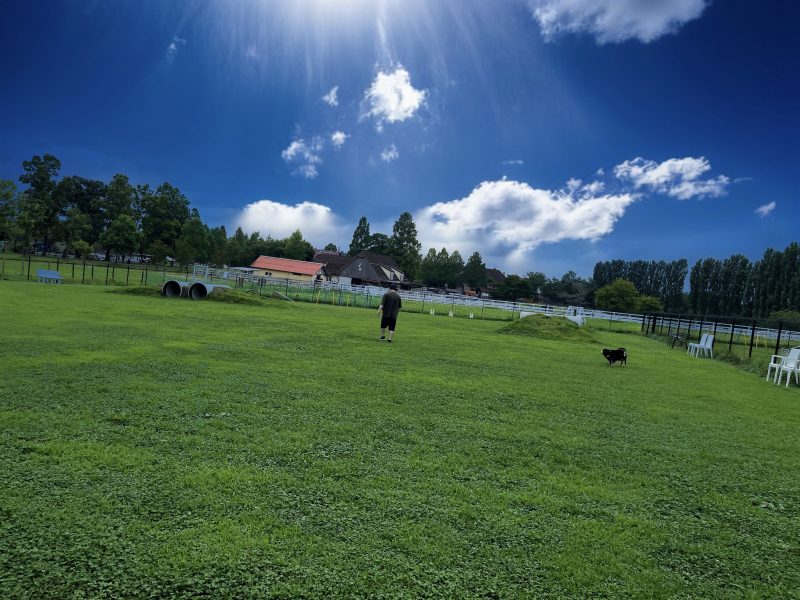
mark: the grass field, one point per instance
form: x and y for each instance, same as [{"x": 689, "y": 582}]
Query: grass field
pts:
[{"x": 168, "y": 448}]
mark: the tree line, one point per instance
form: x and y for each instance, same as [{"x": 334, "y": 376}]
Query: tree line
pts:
[
  {"x": 737, "y": 286},
  {"x": 81, "y": 216},
  {"x": 734, "y": 286},
  {"x": 660, "y": 279},
  {"x": 442, "y": 269}
]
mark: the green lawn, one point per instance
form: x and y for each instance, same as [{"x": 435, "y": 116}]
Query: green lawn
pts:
[{"x": 169, "y": 448}]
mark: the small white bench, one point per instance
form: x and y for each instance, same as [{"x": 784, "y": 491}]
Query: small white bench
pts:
[{"x": 45, "y": 276}]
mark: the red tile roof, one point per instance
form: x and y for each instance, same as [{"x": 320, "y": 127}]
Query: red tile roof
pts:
[{"x": 287, "y": 265}]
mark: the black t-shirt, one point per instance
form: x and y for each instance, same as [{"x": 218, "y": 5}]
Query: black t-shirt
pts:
[{"x": 391, "y": 304}]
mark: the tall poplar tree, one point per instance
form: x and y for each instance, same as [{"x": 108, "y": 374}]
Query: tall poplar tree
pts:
[
  {"x": 361, "y": 237},
  {"x": 404, "y": 246}
]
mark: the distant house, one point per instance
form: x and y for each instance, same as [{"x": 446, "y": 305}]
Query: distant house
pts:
[
  {"x": 494, "y": 279},
  {"x": 287, "y": 268},
  {"x": 365, "y": 268}
]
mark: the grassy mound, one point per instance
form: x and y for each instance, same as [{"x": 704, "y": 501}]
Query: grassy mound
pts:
[
  {"x": 229, "y": 296},
  {"x": 548, "y": 328},
  {"x": 137, "y": 290},
  {"x": 224, "y": 295}
]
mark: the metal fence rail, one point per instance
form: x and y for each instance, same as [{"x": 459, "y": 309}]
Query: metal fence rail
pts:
[{"x": 724, "y": 329}]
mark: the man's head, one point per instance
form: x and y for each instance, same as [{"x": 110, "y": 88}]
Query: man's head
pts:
[{"x": 393, "y": 286}]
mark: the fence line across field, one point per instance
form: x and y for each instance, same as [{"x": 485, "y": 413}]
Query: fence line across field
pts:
[
  {"x": 696, "y": 325},
  {"x": 248, "y": 279},
  {"x": 724, "y": 330}
]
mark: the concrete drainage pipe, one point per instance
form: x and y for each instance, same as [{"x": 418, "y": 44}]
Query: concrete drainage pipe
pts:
[
  {"x": 201, "y": 290},
  {"x": 175, "y": 289}
]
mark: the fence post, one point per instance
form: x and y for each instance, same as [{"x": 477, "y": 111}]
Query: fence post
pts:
[
  {"x": 644, "y": 317},
  {"x": 483, "y": 305},
  {"x": 73, "y": 270},
  {"x": 714, "y": 341},
  {"x": 752, "y": 337},
  {"x": 700, "y": 333},
  {"x": 58, "y": 262},
  {"x": 128, "y": 274},
  {"x": 423, "y": 301},
  {"x": 107, "y": 265},
  {"x": 778, "y": 341},
  {"x": 29, "y": 267},
  {"x": 730, "y": 340}
]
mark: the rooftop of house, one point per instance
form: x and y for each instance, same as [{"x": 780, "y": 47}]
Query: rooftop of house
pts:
[
  {"x": 495, "y": 275},
  {"x": 287, "y": 265}
]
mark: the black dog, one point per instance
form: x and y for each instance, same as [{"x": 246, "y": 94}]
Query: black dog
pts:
[{"x": 612, "y": 356}]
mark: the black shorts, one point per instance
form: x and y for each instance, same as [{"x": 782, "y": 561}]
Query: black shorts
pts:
[{"x": 388, "y": 322}]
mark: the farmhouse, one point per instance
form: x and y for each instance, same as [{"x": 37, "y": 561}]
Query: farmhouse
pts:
[
  {"x": 494, "y": 279},
  {"x": 287, "y": 268},
  {"x": 365, "y": 268}
]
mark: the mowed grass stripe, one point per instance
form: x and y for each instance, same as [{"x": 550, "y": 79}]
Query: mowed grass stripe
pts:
[{"x": 174, "y": 448}]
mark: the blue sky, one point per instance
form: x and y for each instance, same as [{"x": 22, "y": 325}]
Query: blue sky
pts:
[{"x": 546, "y": 134}]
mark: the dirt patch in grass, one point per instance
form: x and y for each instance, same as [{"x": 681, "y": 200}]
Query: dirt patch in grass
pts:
[{"x": 548, "y": 328}]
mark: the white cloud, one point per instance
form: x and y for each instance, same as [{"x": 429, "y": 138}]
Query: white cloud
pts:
[
  {"x": 512, "y": 217},
  {"x": 615, "y": 20},
  {"x": 515, "y": 163},
  {"x": 304, "y": 156},
  {"x": 765, "y": 209},
  {"x": 308, "y": 171},
  {"x": 390, "y": 153},
  {"x": 174, "y": 46},
  {"x": 252, "y": 53},
  {"x": 338, "y": 139},
  {"x": 391, "y": 97},
  {"x": 676, "y": 177},
  {"x": 317, "y": 222},
  {"x": 331, "y": 98}
]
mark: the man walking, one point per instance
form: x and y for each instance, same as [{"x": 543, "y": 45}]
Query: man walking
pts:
[{"x": 390, "y": 306}]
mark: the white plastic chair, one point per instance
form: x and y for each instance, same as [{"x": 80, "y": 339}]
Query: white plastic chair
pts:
[
  {"x": 778, "y": 359},
  {"x": 790, "y": 365},
  {"x": 708, "y": 348},
  {"x": 695, "y": 347}
]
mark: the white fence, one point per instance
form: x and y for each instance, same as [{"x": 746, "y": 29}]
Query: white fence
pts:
[{"x": 249, "y": 279}]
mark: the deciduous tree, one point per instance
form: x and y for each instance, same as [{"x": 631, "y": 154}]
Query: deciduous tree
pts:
[
  {"x": 618, "y": 296},
  {"x": 475, "y": 271},
  {"x": 42, "y": 208},
  {"x": 120, "y": 237},
  {"x": 8, "y": 208}
]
